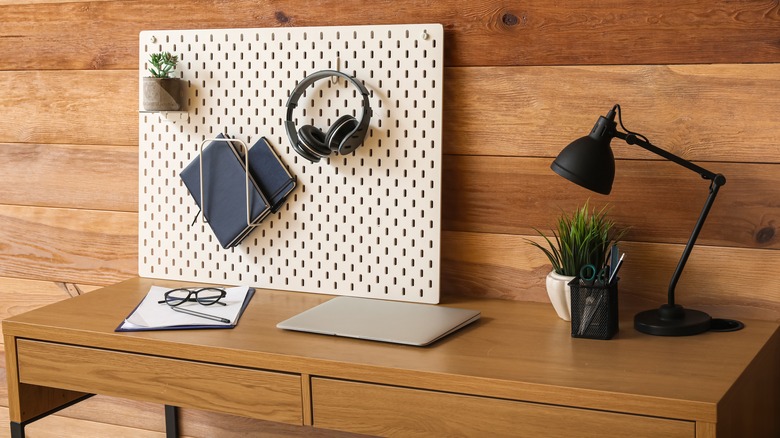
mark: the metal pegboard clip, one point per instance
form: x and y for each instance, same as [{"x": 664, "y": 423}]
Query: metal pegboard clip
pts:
[{"x": 246, "y": 172}]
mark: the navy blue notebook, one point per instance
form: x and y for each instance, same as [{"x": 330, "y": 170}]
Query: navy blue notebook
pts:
[
  {"x": 225, "y": 192},
  {"x": 270, "y": 174}
]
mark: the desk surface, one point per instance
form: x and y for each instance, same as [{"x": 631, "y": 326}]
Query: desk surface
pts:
[{"x": 517, "y": 351}]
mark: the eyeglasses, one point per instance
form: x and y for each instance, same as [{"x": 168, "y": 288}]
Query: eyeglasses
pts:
[{"x": 206, "y": 296}]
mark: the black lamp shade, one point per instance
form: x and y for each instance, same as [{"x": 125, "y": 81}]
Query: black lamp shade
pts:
[{"x": 588, "y": 162}]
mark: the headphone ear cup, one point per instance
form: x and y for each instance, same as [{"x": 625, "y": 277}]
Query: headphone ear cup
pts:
[
  {"x": 340, "y": 131},
  {"x": 313, "y": 141}
]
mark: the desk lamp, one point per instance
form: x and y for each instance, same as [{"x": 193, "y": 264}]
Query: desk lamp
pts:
[{"x": 589, "y": 162}]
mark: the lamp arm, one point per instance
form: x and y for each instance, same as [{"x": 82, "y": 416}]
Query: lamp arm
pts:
[
  {"x": 634, "y": 139},
  {"x": 717, "y": 180}
]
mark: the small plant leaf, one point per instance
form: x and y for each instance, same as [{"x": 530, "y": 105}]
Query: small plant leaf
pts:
[
  {"x": 584, "y": 237},
  {"x": 163, "y": 64}
]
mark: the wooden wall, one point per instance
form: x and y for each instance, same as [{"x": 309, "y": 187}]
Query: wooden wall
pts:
[{"x": 701, "y": 78}]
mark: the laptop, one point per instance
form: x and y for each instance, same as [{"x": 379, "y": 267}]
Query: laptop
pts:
[{"x": 381, "y": 320}]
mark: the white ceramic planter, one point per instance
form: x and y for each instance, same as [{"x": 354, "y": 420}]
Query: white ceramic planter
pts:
[{"x": 560, "y": 294}]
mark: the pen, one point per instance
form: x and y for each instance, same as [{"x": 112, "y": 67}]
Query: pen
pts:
[
  {"x": 614, "y": 255},
  {"x": 616, "y": 268},
  {"x": 202, "y": 315}
]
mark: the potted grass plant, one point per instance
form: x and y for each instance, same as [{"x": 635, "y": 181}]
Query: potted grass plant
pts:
[
  {"x": 584, "y": 237},
  {"x": 161, "y": 92}
]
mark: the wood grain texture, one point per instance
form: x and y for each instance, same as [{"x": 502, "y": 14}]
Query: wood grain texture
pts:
[
  {"x": 70, "y": 176},
  {"x": 76, "y": 246},
  {"x": 754, "y": 225},
  {"x": 246, "y": 392},
  {"x": 534, "y": 111},
  {"x": 658, "y": 200},
  {"x": 761, "y": 399},
  {"x": 490, "y": 359},
  {"x": 726, "y": 282},
  {"x": 706, "y": 430},
  {"x": 26, "y": 401},
  {"x": 521, "y": 81},
  {"x": 103, "y": 35},
  {"x": 20, "y": 295},
  {"x": 61, "y": 107},
  {"x": 402, "y": 412},
  {"x": 721, "y": 112},
  {"x": 59, "y": 426},
  {"x": 97, "y": 417}
]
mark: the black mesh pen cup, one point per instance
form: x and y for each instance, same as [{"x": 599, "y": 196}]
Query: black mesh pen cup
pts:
[{"x": 594, "y": 309}]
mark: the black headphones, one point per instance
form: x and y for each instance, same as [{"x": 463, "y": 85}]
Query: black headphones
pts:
[{"x": 343, "y": 137}]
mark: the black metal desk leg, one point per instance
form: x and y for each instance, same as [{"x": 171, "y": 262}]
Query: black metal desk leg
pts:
[
  {"x": 17, "y": 430},
  {"x": 171, "y": 422}
]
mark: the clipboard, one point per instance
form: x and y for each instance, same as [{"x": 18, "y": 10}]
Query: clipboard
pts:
[{"x": 149, "y": 315}]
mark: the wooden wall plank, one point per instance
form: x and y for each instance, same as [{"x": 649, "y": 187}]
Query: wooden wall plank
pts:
[
  {"x": 77, "y": 246},
  {"x": 659, "y": 200},
  {"x": 103, "y": 35},
  {"x": 62, "y": 107},
  {"x": 700, "y": 112},
  {"x": 70, "y": 176},
  {"x": 535, "y": 111},
  {"x": 482, "y": 193},
  {"x": 727, "y": 282}
]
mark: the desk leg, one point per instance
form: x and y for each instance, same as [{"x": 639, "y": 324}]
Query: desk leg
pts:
[
  {"x": 17, "y": 427},
  {"x": 171, "y": 422},
  {"x": 17, "y": 430}
]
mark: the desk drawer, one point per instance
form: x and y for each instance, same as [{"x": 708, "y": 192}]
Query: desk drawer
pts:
[
  {"x": 241, "y": 391},
  {"x": 392, "y": 411}
]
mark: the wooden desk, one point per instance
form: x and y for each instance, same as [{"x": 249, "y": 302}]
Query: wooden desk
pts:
[{"x": 517, "y": 372}]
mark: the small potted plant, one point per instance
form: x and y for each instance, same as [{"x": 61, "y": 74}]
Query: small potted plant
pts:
[
  {"x": 585, "y": 237},
  {"x": 161, "y": 91}
]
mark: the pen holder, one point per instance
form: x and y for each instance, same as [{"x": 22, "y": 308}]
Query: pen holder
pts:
[{"x": 594, "y": 309}]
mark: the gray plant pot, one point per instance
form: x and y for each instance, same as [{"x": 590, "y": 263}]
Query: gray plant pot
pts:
[{"x": 162, "y": 94}]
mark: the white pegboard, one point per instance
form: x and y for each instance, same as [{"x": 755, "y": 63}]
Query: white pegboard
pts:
[{"x": 365, "y": 224}]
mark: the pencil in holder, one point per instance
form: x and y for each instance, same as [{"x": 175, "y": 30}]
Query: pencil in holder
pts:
[{"x": 594, "y": 309}]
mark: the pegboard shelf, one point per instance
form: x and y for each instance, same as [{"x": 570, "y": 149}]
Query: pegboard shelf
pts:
[{"x": 362, "y": 224}]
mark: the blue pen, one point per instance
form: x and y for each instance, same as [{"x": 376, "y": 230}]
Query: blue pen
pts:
[{"x": 613, "y": 262}]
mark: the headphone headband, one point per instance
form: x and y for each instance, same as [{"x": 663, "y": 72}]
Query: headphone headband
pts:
[
  {"x": 316, "y": 76},
  {"x": 356, "y": 137}
]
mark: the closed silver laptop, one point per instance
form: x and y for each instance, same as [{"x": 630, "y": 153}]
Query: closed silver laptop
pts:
[{"x": 381, "y": 320}]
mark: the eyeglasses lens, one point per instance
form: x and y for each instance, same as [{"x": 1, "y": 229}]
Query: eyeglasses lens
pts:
[
  {"x": 177, "y": 296},
  {"x": 208, "y": 297}
]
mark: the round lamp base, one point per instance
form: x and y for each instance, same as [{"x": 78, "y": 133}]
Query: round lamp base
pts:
[{"x": 672, "y": 321}]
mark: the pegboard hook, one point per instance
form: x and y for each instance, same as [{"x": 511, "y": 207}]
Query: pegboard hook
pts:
[{"x": 335, "y": 79}]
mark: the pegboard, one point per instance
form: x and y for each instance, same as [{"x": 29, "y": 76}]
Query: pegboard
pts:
[{"x": 365, "y": 224}]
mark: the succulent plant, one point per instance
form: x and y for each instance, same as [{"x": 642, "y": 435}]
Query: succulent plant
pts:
[{"x": 163, "y": 64}]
